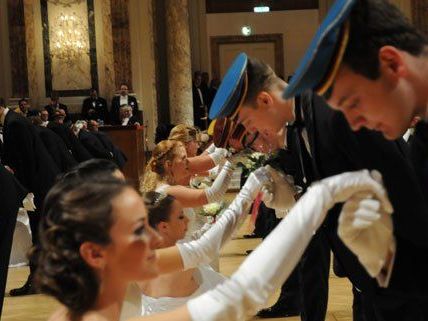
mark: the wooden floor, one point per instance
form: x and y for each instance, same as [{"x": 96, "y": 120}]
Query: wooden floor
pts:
[{"x": 39, "y": 307}]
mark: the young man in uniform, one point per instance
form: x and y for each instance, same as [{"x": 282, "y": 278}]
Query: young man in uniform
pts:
[{"x": 323, "y": 145}]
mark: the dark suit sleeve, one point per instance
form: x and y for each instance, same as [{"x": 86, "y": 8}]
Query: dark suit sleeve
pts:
[
  {"x": 368, "y": 149},
  {"x": 85, "y": 109},
  {"x": 20, "y": 158},
  {"x": 58, "y": 150},
  {"x": 104, "y": 115},
  {"x": 12, "y": 194},
  {"x": 93, "y": 145},
  {"x": 114, "y": 112},
  {"x": 135, "y": 110}
]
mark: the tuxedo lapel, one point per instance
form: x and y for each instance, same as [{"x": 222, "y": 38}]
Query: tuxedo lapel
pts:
[{"x": 309, "y": 118}]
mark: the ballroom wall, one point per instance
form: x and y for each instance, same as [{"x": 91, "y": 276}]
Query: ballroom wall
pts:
[
  {"x": 127, "y": 49},
  {"x": 296, "y": 26},
  {"x": 121, "y": 52}
]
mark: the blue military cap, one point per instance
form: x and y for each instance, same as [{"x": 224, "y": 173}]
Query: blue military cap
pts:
[
  {"x": 319, "y": 66},
  {"x": 232, "y": 90}
]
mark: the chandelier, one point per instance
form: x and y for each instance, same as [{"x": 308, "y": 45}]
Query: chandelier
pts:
[{"x": 69, "y": 37}]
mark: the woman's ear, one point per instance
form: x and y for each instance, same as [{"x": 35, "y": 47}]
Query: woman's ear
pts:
[
  {"x": 167, "y": 164},
  {"x": 93, "y": 254},
  {"x": 162, "y": 228}
]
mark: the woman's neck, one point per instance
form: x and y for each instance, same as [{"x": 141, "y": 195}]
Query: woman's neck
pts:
[{"x": 110, "y": 299}]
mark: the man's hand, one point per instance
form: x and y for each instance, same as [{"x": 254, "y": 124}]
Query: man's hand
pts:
[
  {"x": 366, "y": 228},
  {"x": 280, "y": 195}
]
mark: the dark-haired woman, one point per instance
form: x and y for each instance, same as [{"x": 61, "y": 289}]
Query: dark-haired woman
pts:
[
  {"x": 95, "y": 239},
  {"x": 172, "y": 290}
]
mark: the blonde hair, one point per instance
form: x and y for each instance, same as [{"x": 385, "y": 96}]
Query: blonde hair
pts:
[
  {"x": 155, "y": 169},
  {"x": 184, "y": 133}
]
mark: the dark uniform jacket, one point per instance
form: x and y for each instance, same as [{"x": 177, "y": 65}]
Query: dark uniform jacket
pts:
[{"x": 336, "y": 149}]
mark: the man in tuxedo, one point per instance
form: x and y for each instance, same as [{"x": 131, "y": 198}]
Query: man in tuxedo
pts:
[
  {"x": 55, "y": 105},
  {"x": 200, "y": 116},
  {"x": 56, "y": 147},
  {"x": 79, "y": 152},
  {"x": 91, "y": 142},
  {"x": 24, "y": 106},
  {"x": 12, "y": 193},
  {"x": 119, "y": 157},
  {"x": 95, "y": 107},
  {"x": 44, "y": 116},
  {"x": 26, "y": 155},
  {"x": 383, "y": 88},
  {"x": 127, "y": 118},
  {"x": 323, "y": 145},
  {"x": 123, "y": 99}
]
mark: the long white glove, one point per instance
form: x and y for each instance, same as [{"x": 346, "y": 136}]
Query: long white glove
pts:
[
  {"x": 210, "y": 149},
  {"x": 366, "y": 228},
  {"x": 281, "y": 196},
  {"x": 213, "y": 172},
  {"x": 207, "y": 247},
  {"x": 272, "y": 262},
  {"x": 219, "y": 187},
  {"x": 219, "y": 155}
]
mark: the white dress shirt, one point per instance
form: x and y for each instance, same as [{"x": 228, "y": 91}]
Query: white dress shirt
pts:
[{"x": 123, "y": 100}]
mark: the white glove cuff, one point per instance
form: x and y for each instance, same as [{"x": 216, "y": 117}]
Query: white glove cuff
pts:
[
  {"x": 211, "y": 149},
  {"x": 218, "y": 156},
  {"x": 217, "y": 190}
]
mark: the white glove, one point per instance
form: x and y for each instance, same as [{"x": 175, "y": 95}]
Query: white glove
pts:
[
  {"x": 365, "y": 227},
  {"x": 281, "y": 196},
  {"x": 219, "y": 155},
  {"x": 213, "y": 172},
  {"x": 343, "y": 186},
  {"x": 210, "y": 149},
  {"x": 219, "y": 187},
  {"x": 28, "y": 203},
  {"x": 207, "y": 247},
  {"x": 274, "y": 259}
]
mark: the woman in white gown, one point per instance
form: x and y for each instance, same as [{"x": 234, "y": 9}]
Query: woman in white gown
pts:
[
  {"x": 95, "y": 239},
  {"x": 168, "y": 172},
  {"x": 170, "y": 291}
]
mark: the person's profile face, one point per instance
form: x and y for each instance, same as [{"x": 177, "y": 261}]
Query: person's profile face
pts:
[
  {"x": 268, "y": 115},
  {"x": 180, "y": 163},
  {"x": 176, "y": 227},
  {"x": 130, "y": 256},
  {"x": 93, "y": 94},
  {"x": 386, "y": 104}
]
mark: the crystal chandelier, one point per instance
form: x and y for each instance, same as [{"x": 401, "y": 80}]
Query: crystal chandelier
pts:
[{"x": 69, "y": 38}]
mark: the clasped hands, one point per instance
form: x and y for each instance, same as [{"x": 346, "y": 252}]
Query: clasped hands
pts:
[{"x": 365, "y": 222}]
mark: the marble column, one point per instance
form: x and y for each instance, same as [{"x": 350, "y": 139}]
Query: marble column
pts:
[
  {"x": 31, "y": 52},
  {"x": 179, "y": 61},
  {"x": 5, "y": 64},
  {"x": 143, "y": 63}
]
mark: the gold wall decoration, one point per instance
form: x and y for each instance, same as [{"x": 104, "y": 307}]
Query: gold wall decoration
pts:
[
  {"x": 69, "y": 46},
  {"x": 65, "y": 3}
]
